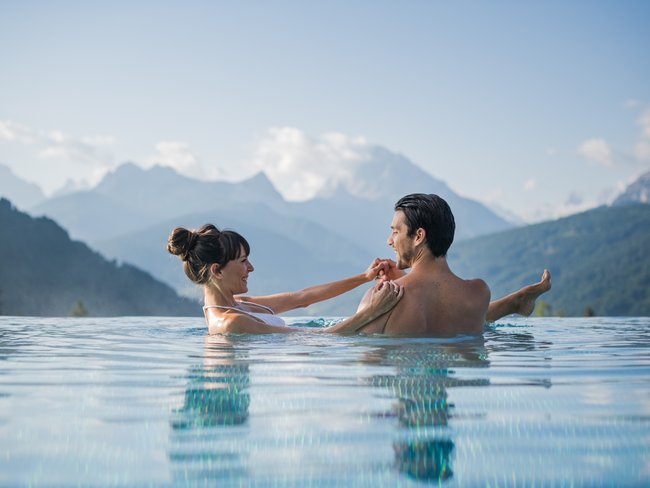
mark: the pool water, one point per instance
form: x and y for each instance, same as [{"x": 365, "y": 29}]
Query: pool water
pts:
[{"x": 158, "y": 402}]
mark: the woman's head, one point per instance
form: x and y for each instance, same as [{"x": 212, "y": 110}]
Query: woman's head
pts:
[{"x": 199, "y": 249}]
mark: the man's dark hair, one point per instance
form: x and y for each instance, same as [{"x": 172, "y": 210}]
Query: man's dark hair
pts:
[{"x": 432, "y": 213}]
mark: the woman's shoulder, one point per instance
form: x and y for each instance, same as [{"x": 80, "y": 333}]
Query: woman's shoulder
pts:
[
  {"x": 248, "y": 304},
  {"x": 223, "y": 320}
]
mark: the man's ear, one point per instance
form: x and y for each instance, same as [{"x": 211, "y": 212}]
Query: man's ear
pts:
[{"x": 420, "y": 235}]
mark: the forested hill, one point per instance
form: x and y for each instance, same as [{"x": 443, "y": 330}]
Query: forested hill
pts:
[
  {"x": 44, "y": 273},
  {"x": 599, "y": 259}
]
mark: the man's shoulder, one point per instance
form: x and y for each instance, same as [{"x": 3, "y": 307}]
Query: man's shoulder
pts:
[{"x": 479, "y": 287}]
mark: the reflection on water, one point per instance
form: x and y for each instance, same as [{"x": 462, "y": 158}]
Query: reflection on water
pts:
[
  {"x": 217, "y": 390},
  {"x": 417, "y": 376},
  {"x": 156, "y": 402},
  {"x": 425, "y": 460},
  {"x": 216, "y": 396},
  {"x": 423, "y": 374}
]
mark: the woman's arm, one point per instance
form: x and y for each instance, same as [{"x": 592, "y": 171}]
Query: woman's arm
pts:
[
  {"x": 385, "y": 296},
  {"x": 282, "y": 302}
]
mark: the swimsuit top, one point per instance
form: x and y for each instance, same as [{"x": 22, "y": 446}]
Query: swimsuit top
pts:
[{"x": 268, "y": 318}]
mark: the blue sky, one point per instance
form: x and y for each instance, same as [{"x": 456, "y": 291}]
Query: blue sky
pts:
[{"x": 542, "y": 108}]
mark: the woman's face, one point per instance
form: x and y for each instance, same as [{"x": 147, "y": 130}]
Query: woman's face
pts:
[{"x": 234, "y": 275}]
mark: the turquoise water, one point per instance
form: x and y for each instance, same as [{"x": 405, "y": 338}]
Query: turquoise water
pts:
[{"x": 157, "y": 402}]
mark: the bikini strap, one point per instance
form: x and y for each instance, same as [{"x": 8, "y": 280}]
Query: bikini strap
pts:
[
  {"x": 245, "y": 312},
  {"x": 205, "y": 307},
  {"x": 259, "y": 305}
]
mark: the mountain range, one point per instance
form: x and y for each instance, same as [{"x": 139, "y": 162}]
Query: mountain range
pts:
[
  {"x": 23, "y": 194},
  {"x": 130, "y": 213},
  {"x": 45, "y": 273},
  {"x": 599, "y": 261},
  {"x": 637, "y": 192}
]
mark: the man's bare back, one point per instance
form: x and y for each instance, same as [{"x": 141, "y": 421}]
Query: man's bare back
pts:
[{"x": 435, "y": 302}]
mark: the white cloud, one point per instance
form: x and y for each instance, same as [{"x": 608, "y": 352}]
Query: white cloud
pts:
[
  {"x": 13, "y": 131},
  {"x": 596, "y": 150},
  {"x": 574, "y": 203},
  {"x": 302, "y": 167},
  {"x": 530, "y": 184},
  {"x": 89, "y": 150},
  {"x": 179, "y": 156},
  {"x": 56, "y": 144}
]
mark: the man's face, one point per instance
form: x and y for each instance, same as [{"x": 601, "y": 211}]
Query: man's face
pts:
[{"x": 400, "y": 241}]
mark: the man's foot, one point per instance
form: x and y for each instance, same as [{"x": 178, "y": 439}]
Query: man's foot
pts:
[{"x": 526, "y": 297}]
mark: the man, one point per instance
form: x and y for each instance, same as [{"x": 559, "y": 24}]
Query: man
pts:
[{"x": 435, "y": 300}]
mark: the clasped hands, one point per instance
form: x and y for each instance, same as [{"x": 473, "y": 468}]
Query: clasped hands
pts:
[{"x": 383, "y": 270}]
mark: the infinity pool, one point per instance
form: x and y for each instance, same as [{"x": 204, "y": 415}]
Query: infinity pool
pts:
[{"x": 157, "y": 402}]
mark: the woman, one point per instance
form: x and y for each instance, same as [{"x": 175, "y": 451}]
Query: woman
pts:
[{"x": 218, "y": 260}]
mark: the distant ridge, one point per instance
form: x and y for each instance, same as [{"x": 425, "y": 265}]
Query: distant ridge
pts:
[
  {"x": 44, "y": 273},
  {"x": 637, "y": 192},
  {"x": 599, "y": 260},
  {"x": 19, "y": 191}
]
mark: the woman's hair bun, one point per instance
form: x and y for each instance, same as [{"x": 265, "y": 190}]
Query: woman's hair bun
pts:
[{"x": 181, "y": 242}]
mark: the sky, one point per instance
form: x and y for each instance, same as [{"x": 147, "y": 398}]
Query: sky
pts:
[{"x": 538, "y": 108}]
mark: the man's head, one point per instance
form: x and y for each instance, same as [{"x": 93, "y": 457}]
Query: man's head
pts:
[{"x": 422, "y": 219}]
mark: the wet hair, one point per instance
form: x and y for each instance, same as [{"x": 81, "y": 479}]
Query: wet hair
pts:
[
  {"x": 199, "y": 249},
  {"x": 431, "y": 213}
]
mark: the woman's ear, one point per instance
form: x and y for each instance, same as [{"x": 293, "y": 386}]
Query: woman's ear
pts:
[{"x": 215, "y": 271}]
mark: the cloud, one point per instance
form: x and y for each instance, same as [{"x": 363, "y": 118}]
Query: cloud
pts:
[
  {"x": 302, "y": 167},
  {"x": 596, "y": 150},
  {"x": 179, "y": 156},
  {"x": 631, "y": 103},
  {"x": 530, "y": 184},
  {"x": 13, "y": 131},
  {"x": 55, "y": 144},
  {"x": 88, "y": 150},
  {"x": 575, "y": 203}
]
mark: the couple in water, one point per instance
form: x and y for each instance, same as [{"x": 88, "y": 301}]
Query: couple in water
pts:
[{"x": 429, "y": 300}]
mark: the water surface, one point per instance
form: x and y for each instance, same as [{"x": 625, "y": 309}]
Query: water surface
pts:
[{"x": 157, "y": 402}]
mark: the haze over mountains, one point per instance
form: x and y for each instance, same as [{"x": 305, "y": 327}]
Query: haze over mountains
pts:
[
  {"x": 130, "y": 213},
  {"x": 637, "y": 192},
  {"x": 23, "y": 194}
]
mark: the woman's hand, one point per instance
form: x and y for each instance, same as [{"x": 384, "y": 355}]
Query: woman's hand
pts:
[
  {"x": 383, "y": 269},
  {"x": 375, "y": 269},
  {"x": 384, "y": 297}
]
